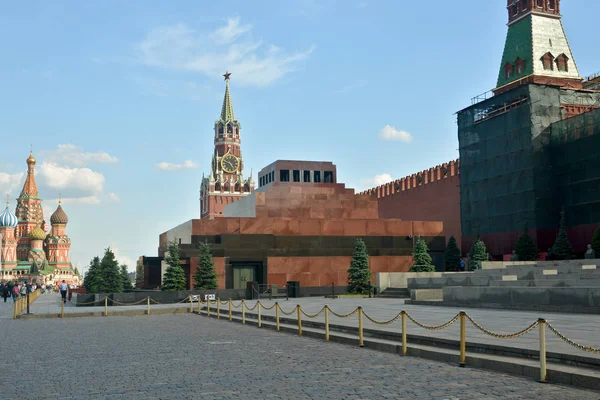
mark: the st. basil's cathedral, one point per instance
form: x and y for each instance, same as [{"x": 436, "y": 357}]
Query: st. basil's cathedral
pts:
[{"x": 28, "y": 253}]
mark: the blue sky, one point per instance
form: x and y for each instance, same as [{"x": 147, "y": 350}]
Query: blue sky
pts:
[{"x": 108, "y": 92}]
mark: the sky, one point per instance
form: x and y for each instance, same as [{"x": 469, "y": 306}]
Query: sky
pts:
[{"x": 118, "y": 99}]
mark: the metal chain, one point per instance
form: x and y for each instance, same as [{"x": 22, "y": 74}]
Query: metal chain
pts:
[
  {"x": 127, "y": 304},
  {"x": 238, "y": 306},
  {"x": 383, "y": 323},
  {"x": 288, "y": 313},
  {"x": 572, "y": 343},
  {"x": 267, "y": 308},
  {"x": 250, "y": 308},
  {"x": 90, "y": 302},
  {"x": 504, "y": 336},
  {"x": 346, "y": 315},
  {"x": 434, "y": 328},
  {"x": 312, "y": 316}
]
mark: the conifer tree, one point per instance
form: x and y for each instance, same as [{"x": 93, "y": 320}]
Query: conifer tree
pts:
[
  {"x": 110, "y": 275},
  {"x": 139, "y": 275},
  {"x": 205, "y": 276},
  {"x": 421, "y": 258},
  {"x": 125, "y": 278},
  {"x": 174, "y": 278},
  {"x": 525, "y": 247},
  {"x": 562, "y": 249},
  {"x": 478, "y": 253},
  {"x": 452, "y": 255},
  {"x": 596, "y": 242},
  {"x": 359, "y": 274},
  {"x": 92, "y": 276}
]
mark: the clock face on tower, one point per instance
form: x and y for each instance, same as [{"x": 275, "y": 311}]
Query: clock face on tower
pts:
[{"x": 230, "y": 163}]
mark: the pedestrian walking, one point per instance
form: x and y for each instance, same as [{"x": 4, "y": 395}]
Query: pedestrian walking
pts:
[{"x": 63, "y": 291}]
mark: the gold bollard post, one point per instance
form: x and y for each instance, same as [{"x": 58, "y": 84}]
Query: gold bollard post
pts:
[
  {"x": 199, "y": 307},
  {"x": 327, "y": 323},
  {"x": 15, "y": 310},
  {"x": 105, "y": 306},
  {"x": 463, "y": 339},
  {"x": 62, "y": 309},
  {"x": 299, "y": 320},
  {"x": 259, "y": 321},
  {"x": 230, "y": 311},
  {"x": 191, "y": 303},
  {"x": 542, "y": 324},
  {"x": 243, "y": 312},
  {"x": 218, "y": 308},
  {"x": 277, "y": 316},
  {"x": 404, "y": 349},
  {"x": 208, "y": 308},
  {"x": 361, "y": 339},
  {"x": 148, "y": 302}
]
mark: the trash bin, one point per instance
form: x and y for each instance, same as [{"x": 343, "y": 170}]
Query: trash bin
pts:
[{"x": 293, "y": 288}]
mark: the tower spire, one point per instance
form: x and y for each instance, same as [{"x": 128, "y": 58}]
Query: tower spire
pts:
[
  {"x": 30, "y": 187},
  {"x": 227, "y": 109}
]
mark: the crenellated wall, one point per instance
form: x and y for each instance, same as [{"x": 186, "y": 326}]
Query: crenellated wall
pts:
[{"x": 430, "y": 195}]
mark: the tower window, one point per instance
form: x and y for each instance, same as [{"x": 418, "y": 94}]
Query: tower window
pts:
[
  {"x": 229, "y": 128},
  {"x": 539, "y": 3},
  {"x": 548, "y": 61},
  {"x": 515, "y": 9},
  {"x": 551, "y": 4},
  {"x": 562, "y": 63},
  {"x": 284, "y": 175},
  {"x": 317, "y": 176},
  {"x": 508, "y": 71},
  {"x": 519, "y": 66},
  {"x": 328, "y": 177},
  {"x": 296, "y": 175}
]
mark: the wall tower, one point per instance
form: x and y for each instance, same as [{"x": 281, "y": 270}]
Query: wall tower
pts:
[
  {"x": 536, "y": 48},
  {"x": 225, "y": 183}
]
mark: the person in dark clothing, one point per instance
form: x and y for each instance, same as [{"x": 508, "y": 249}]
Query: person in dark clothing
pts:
[
  {"x": 63, "y": 291},
  {"x": 5, "y": 291}
]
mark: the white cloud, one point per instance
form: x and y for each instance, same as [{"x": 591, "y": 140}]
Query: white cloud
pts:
[
  {"x": 391, "y": 133},
  {"x": 9, "y": 183},
  {"x": 123, "y": 259},
  {"x": 377, "y": 180},
  {"x": 113, "y": 197},
  {"x": 69, "y": 154},
  {"x": 165, "y": 166},
  {"x": 230, "y": 47},
  {"x": 94, "y": 199},
  {"x": 71, "y": 179},
  {"x": 381, "y": 179}
]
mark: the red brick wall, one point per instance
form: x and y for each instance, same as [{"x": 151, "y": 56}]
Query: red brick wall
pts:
[{"x": 219, "y": 269}]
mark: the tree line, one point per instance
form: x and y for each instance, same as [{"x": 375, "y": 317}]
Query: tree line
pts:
[{"x": 106, "y": 275}]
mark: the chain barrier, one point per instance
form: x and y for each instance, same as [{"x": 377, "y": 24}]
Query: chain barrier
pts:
[
  {"x": 384, "y": 322},
  {"x": 90, "y": 302},
  {"x": 504, "y": 336},
  {"x": 588, "y": 349},
  {"x": 344, "y": 315},
  {"x": 127, "y": 304},
  {"x": 287, "y": 313},
  {"x": 433, "y": 328},
  {"x": 267, "y": 308},
  {"x": 312, "y": 316},
  {"x": 250, "y": 308}
]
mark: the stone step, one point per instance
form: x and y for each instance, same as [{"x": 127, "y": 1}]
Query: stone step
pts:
[
  {"x": 582, "y": 376},
  {"x": 395, "y": 293}
]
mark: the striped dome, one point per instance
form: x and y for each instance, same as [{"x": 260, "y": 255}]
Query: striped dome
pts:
[
  {"x": 8, "y": 219},
  {"x": 37, "y": 234},
  {"x": 59, "y": 217}
]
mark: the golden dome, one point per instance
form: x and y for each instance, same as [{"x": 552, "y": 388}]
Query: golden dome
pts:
[
  {"x": 31, "y": 159},
  {"x": 37, "y": 234}
]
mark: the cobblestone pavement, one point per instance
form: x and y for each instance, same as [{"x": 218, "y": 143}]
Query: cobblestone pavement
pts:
[{"x": 190, "y": 357}]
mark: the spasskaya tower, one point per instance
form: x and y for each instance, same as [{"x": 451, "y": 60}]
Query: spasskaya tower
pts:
[{"x": 225, "y": 183}]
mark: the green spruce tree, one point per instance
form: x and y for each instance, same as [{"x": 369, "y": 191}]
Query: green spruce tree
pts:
[
  {"x": 452, "y": 255},
  {"x": 205, "y": 276},
  {"x": 359, "y": 274},
  {"x": 139, "y": 275},
  {"x": 110, "y": 274},
  {"x": 562, "y": 249},
  {"x": 125, "y": 278},
  {"x": 478, "y": 254},
  {"x": 92, "y": 276},
  {"x": 525, "y": 247},
  {"x": 596, "y": 242},
  {"x": 174, "y": 278},
  {"x": 421, "y": 258}
]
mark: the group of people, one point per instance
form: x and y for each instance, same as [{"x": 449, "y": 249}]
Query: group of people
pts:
[{"x": 17, "y": 289}]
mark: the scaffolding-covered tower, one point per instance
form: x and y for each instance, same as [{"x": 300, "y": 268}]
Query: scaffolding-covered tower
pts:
[{"x": 517, "y": 167}]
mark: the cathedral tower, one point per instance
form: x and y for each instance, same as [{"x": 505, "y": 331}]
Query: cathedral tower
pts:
[
  {"x": 8, "y": 242},
  {"x": 536, "y": 48},
  {"x": 225, "y": 183},
  {"x": 29, "y": 211},
  {"x": 58, "y": 243}
]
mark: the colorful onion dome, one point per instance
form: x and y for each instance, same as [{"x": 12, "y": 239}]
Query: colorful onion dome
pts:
[
  {"x": 8, "y": 219},
  {"x": 37, "y": 234},
  {"x": 59, "y": 217}
]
